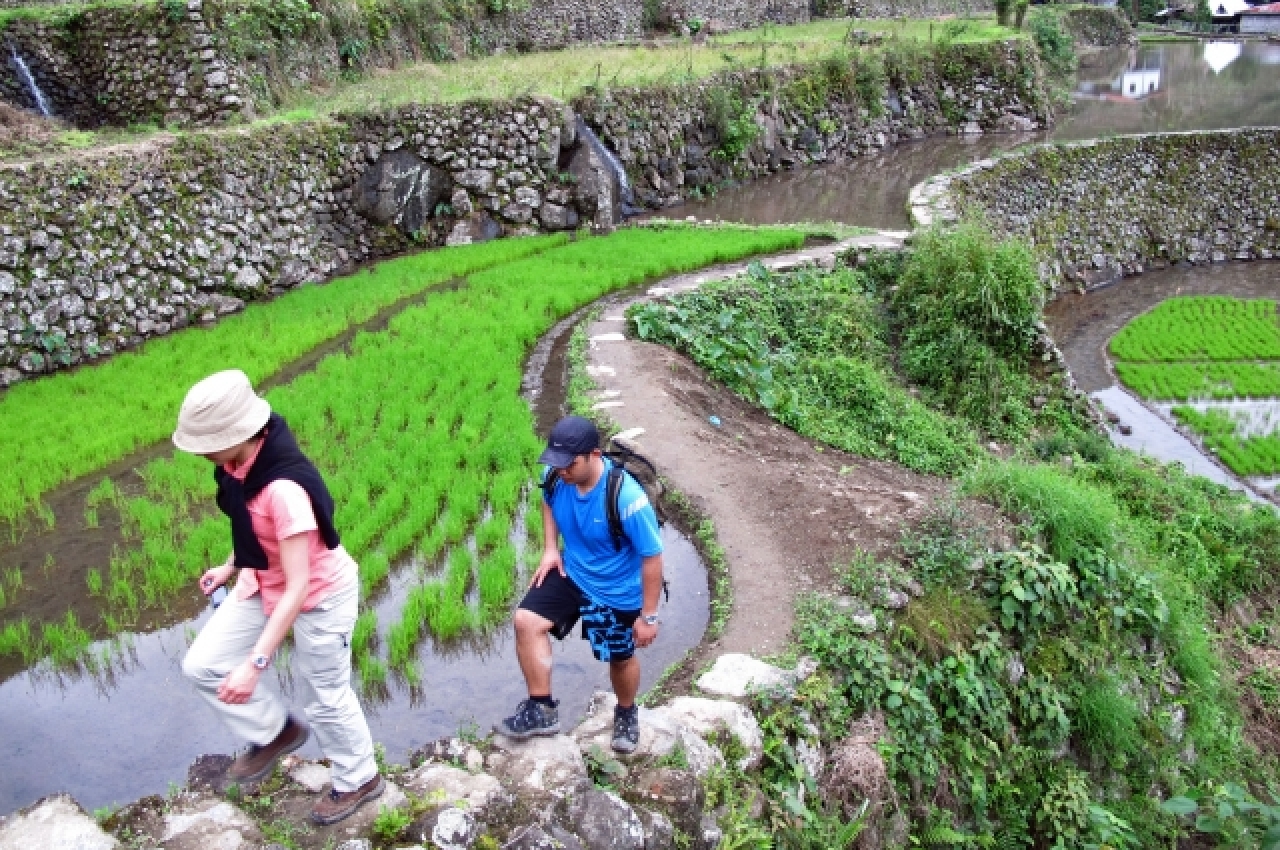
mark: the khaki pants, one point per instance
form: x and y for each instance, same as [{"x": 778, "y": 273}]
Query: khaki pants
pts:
[{"x": 322, "y": 664}]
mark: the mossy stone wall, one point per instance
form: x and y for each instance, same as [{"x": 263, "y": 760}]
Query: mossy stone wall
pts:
[
  {"x": 1098, "y": 210},
  {"x": 101, "y": 250},
  {"x": 677, "y": 141}
]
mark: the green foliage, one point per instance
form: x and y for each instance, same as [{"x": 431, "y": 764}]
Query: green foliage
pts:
[
  {"x": 252, "y": 27},
  {"x": 1063, "y": 815},
  {"x": 1074, "y": 518},
  {"x": 966, "y": 310},
  {"x": 390, "y": 824},
  {"x": 808, "y": 348},
  {"x": 1231, "y": 815},
  {"x": 1201, "y": 380},
  {"x": 1032, "y": 591},
  {"x": 734, "y": 123},
  {"x": 1106, "y": 721},
  {"x": 1056, "y": 47}
]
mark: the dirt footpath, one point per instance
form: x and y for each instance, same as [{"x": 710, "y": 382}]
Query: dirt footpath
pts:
[{"x": 786, "y": 509}]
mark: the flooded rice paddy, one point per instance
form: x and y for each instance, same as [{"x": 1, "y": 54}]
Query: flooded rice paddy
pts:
[
  {"x": 132, "y": 728},
  {"x": 1083, "y": 324}
]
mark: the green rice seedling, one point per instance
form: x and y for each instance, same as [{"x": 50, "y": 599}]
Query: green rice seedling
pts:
[
  {"x": 4, "y": 600},
  {"x": 16, "y": 639},
  {"x": 374, "y": 567},
  {"x": 372, "y": 671},
  {"x": 13, "y": 578},
  {"x": 1201, "y": 327},
  {"x": 493, "y": 532},
  {"x": 93, "y": 580},
  {"x": 69, "y": 424},
  {"x": 365, "y": 633},
  {"x": 65, "y": 642}
]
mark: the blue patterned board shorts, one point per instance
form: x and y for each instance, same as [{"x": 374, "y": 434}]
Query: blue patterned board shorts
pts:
[{"x": 608, "y": 630}]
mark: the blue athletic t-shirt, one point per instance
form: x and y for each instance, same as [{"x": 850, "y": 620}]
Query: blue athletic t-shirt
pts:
[{"x": 608, "y": 576}]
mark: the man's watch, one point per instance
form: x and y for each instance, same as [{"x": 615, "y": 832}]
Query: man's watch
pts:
[
  {"x": 651, "y": 619},
  {"x": 260, "y": 661}
]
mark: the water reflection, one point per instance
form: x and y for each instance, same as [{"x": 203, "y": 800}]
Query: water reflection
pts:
[
  {"x": 131, "y": 730},
  {"x": 1143, "y": 89}
]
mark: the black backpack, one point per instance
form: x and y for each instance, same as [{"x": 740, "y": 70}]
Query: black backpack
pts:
[{"x": 626, "y": 462}]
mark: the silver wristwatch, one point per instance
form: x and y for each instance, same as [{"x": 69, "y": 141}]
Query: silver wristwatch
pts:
[
  {"x": 260, "y": 661},
  {"x": 650, "y": 619}
]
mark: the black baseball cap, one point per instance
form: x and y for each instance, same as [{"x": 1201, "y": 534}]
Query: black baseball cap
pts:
[{"x": 570, "y": 437}]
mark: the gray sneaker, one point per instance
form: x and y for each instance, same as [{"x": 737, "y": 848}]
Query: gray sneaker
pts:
[
  {"x": 530, "y": 720},
  {"x": 626, "y": 729}
]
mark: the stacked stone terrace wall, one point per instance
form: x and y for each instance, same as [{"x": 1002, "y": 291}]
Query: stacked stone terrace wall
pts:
[
  {"x": 125, "y": 64},
  {"x": 100, "y": 251},
  {"x": 1097, "y": 211}
]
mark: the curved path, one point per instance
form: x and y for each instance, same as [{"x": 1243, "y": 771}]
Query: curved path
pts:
[{"x": 786, "y": 509}]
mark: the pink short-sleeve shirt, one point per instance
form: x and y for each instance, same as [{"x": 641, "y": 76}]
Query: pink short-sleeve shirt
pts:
[{"x": 283, "y": 510}]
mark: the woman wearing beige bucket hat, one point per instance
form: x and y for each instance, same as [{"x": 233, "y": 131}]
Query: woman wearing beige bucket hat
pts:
[{"x": 293, "y": 574}]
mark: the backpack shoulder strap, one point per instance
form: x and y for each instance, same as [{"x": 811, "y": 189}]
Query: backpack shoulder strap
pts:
[
  {"x": 613, "y": 492},
  {"x": 548, "y": 483}
]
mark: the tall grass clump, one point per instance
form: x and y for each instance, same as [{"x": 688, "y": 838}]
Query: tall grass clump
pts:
[
  {"x": 965, "y": 310},
  {"x": 72, "y": 423}
]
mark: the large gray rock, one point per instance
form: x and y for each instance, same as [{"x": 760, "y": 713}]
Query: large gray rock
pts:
[
  {"x": 658, "y": 732},
  {"x": 401, "y": 189},
  {"x": 707, "y": 717},
  {"x": 453, "y": 786},
  {"x": 604, "y": 821},
  {"x": 735, "y": 675},
  {"x": 553, "y": 765},
  {"x": 55, "y": 823},
  {"x": 206, "y": 824},
  {"x": 676, "y": 793}
]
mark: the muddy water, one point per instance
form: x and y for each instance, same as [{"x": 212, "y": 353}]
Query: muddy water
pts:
[
  {"x": 112, "y": 739},
  {"x": 1151, "y": 88}
]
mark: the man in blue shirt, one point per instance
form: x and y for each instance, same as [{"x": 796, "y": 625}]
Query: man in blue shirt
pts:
[{"x": 613, "y": 585}]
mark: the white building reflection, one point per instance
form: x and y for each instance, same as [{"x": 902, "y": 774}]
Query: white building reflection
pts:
[{"x": 1219, "y": 54}]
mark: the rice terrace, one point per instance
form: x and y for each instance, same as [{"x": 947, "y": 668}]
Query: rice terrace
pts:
[{"x": 825, "y": 424}]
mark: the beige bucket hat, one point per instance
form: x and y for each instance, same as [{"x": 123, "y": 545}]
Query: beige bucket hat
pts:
[{"x": 220, "y": 412}]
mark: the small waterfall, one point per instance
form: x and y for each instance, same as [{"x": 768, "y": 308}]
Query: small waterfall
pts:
[
  {"x": 625, "y": 195},
  {"x": 33, "y": 88}
]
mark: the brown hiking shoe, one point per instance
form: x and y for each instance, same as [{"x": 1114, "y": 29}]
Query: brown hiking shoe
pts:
[
  {"x": 258, "y": 762},
  {"x": 337, "y": 805}
]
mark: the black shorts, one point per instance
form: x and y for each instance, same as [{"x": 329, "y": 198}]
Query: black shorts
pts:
[{"x": 608, "y": 630}]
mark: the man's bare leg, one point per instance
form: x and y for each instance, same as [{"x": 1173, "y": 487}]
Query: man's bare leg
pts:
[
  {"x": 625, "y": 676},
  {"x": 533, "y": 650}
]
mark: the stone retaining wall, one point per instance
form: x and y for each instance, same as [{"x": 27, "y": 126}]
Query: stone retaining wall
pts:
[
  {"x": 1096, "y": 211},
  {"x": 101, "y": 250},
  {"x": 123, "y": 65}
]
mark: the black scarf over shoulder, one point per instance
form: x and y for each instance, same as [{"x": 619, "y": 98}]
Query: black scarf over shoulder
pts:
[{"x": 279, "y": 458}]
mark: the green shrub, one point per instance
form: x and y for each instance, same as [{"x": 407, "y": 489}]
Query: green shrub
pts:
[
  {"x": 967, "y": 308},
  {"x": 1057, "y": 48}
]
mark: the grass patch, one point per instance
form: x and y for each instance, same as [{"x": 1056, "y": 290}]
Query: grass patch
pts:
[{"x": 810, "y": 349}]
